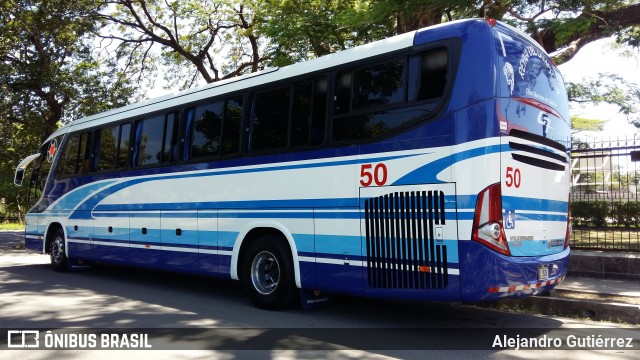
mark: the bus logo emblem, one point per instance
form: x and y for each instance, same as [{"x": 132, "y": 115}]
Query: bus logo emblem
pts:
[{"x": 545, "y": 121}]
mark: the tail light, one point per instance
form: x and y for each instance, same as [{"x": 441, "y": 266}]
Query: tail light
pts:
[
  {"x": 568, "y": 235},
  {"x": 487, "y": 221}
]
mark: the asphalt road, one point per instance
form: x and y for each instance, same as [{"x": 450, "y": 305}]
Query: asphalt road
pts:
[{"x": 188, "y": 316}]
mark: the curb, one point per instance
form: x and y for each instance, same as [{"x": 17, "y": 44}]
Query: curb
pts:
[{"x": 581, "y": 308}]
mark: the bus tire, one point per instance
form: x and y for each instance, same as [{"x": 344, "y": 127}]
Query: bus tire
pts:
[
  {"x": 57, "y": 249},
  {"x": 268, "y": 275}
]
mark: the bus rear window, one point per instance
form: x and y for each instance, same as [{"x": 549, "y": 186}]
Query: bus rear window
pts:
[{"x": 528, "y": 72}]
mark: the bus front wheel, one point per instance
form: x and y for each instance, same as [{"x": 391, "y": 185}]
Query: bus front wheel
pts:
[
  {"x": 268, "y": 276},
  {"x": 57, "y": 251}
]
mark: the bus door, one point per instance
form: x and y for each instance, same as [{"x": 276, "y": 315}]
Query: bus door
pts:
[
  {"x": 409, "y": 239},
  {"x": 535, "y": 168}
]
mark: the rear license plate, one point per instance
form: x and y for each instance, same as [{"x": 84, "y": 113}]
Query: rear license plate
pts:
[{"x": 543, "y": 272}]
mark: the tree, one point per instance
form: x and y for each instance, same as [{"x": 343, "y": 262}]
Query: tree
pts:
[
  {"x": 562, "y": 27},
  {"x": 49, "y": 73},
  {"x": 583, "y": 124},
  {"x": 189, "y": 37},
  {"x": 610, "y": 89},
  {"x": 304, "y": 29},
  {"x": 48, "y": 66}
]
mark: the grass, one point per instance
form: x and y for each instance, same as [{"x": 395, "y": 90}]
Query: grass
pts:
[
  {"x": 606, "y": 239},
  {"x": 11, "y": 226}
]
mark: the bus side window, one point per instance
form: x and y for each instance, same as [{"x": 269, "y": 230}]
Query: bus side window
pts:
[
  {"x": 433, "y": 74},
  {"x": 187, "y": 125},
  {"x": 207, "y": 130},
  {"x": 111, "y": 148},
  {"x": 69, "y": 161},
  {"x": 148, "y": 141},
  {"x": 378, "y": 85},
  {"x": 308, "y": 115},
  {"x": 301, "y": 114},
  {"x": 123, "y": 145},
  {"x": 170, "y": 145},
  {"x": 342, "y": 97},
  {"x": 95, "y": 151},
  {"x": 270, "y": 120},
  {"x": 319, "y": 111},
  {"x": 108, "y": 147},
  {"x": 231, "y": 126}
]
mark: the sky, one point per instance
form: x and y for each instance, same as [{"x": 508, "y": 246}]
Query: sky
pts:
[{"x": 601, "y": 57}]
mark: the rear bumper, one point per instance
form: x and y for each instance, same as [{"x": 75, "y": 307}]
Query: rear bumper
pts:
[{"x": 488, "y": 275}]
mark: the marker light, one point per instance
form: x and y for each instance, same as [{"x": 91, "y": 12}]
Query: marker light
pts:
[
  {"x": 487, "y": 220},
  {"x": 492, "y": 22}
]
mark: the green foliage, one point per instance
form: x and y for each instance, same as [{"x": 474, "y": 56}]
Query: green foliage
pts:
[
  {"x": 188, "y": 41},
  {"x": 603, "y": 213},
  {"x": 592, "y": 213},
  {"x": 301, "y": 30},
  {"x": 584, "y": 124},
  {"x": 566, "y": 29},
  {"x": 625, "y": 213},
  {"x": 49, "y": 74},
  {"x": 607, "y": 88}
]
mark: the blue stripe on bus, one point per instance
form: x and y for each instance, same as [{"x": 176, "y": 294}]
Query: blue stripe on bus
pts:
[
  {"x": 308, "y": 214},
  {"x": 517, "y": 203},
  {"x": 428, "y": 173},
  {"x": 74, "y": 197},
  {"x": 531, "y": 204},
  {"x": 95, "y": 199}
]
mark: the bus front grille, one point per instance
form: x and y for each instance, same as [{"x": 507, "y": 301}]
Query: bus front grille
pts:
[{"x": 401, "y": 250}]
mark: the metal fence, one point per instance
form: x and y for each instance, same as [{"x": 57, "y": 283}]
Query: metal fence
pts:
[{"x": 604, "y": 195}]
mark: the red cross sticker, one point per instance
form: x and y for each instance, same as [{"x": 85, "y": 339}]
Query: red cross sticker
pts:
[{"x": 52, "y": 150}]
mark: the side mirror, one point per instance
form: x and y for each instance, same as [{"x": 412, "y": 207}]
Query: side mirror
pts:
[
  {"x": 20, "y": 169},
  {"x": 18, "y": 177}
]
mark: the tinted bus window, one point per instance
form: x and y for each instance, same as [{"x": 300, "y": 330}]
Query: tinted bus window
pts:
[
  {"x": 342, "y": 92},
  {"x": 111, "y": 148},
  {"x": 383, "y": 84},
  {"x": 170, "y": 145},
  {"x": 433, "y": 74},
  {"x": 232, "y": 126},
  {"x": 319, "y": 111},
  {"x": 378, "y": 85},
  {"x": 207, "y": 128},
  {"x": 529, "y": 72},
  {"x": 73, "y": 159},
  {"x": 301, "y": 114},
  {"x": 123, "y": 145},
  {"x": 108, "y": 148},
  {"x": 270, "y": 119},
  {"x": 149, "y": 141}
]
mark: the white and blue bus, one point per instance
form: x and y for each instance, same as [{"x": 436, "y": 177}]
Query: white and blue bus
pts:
[{"x": 432, "y": 165}]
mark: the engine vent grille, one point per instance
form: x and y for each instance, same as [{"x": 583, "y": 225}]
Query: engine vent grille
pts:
[{"x": 401, "y": 250}]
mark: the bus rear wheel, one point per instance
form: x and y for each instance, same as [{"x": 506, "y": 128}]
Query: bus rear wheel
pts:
[
  {"x": 268, "y": 276},
  {"x": 57, "y": 251}
]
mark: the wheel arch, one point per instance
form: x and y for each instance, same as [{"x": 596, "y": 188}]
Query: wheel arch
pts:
[
  {"x": 251, "y": 234},
  {"x": 51, "y": 229}
]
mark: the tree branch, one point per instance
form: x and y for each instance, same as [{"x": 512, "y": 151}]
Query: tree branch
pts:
[{"x": 603, "y": 25}]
